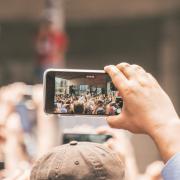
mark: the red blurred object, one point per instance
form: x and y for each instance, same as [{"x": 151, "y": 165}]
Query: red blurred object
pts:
[{"x": 51, "y": 46}]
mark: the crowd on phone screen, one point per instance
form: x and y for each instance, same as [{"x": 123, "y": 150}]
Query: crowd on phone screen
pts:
[
  {"x": 26, "y": 132},
  {"x": 88, "y": 104}
]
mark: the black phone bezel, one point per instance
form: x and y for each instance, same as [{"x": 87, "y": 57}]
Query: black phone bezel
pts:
[{"x": 49, "y": 94}]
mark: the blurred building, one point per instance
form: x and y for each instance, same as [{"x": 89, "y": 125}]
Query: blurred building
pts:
[{"x": 100, "y": 32}]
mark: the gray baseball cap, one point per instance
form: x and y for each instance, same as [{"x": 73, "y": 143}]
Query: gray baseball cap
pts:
[{"x": 79, "y": 161}]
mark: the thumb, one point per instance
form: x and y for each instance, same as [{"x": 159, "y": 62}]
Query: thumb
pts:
[{"x": 115, "y": 121}]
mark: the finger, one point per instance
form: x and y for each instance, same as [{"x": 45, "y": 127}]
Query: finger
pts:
[
  {"x": 118, "y": 79},
  {"x": 131, "y": 71},
  {"x": 105, "y": 130},
  {"x": 125, "y": 69},
  {"x": 139, "y": 74},
  {"x": 150, "y": 76},
  {"x": 153, "y": 80},
  {"x": 115, "y": 121},
  {"x": 138, "y": 69},
  {"x": 106, "y": 144},
  {"x": 110, "y": 143}
]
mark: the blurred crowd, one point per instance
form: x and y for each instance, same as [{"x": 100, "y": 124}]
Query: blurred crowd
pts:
[
  {"x": 88, "y": 104},
  {"x": 26, "y": 132},
  {"x": 22, "y": 127}
]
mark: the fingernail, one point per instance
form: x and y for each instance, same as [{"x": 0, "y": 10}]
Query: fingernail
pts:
[{"x": 106, "y": 67}]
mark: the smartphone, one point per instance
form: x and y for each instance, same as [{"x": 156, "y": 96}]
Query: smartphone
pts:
[
  {"x": 97, "y": 138},
  {"x": 80, "y": 92}
]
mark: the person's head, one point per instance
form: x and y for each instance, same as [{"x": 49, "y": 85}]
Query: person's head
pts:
[
  {"x": 100, "y": 111},
  {"x": 79, "y": 161},
  {"x": 78, "y": 107},
  {"x": 100, "y": 103}
]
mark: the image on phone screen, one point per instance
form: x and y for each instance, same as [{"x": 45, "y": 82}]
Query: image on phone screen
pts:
[{"x": 85, "y": 94}]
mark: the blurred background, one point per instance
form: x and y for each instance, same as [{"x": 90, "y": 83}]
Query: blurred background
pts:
[{"x": 38, "y": 34}]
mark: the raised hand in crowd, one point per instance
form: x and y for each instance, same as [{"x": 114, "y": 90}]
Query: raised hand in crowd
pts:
[
  {"x": 121, "y": 144},
  {"x": 47, "y": 125}
]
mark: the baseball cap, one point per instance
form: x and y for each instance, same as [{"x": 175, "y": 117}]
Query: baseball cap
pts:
[{"x": 79, "y": 161}]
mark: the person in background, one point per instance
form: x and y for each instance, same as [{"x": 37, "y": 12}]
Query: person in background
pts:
[
  {"x": 121, "y": 144},
  {"x": 78, "y": 107},
  {"x": 14, "y": 144},
  {"x": 153, "y": 171},
  {"x": 79, "y": 160},
  {"x": 100, "y": 110},
  {"x": 51, "y": 46}
]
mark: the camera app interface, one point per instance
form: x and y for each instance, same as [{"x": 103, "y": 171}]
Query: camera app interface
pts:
[{"x": 86, "y": 93}]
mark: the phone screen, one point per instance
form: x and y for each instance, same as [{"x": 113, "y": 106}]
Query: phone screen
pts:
[
  {"x": 85, "y": 93},
  {"x": 97, "y": 138}
]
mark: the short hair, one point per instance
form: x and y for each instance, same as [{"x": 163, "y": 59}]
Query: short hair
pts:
[{"x": 78, "y": 107}]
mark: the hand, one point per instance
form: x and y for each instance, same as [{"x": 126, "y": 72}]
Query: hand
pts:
[
  {"x": 121, "y": 144},
  {"x": 37, "y": 95},
  {"x": 10, "y": 96},
  {"x": 147, "y": 108},
  {"x": 119, "y": 141},
  {"x": 153, "y": 171},
  {"x": 146, "y": 105},
  {"x": 12, "y": 93}
]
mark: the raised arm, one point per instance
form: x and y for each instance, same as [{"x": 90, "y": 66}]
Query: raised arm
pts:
[{"x": 147, "y": 108}]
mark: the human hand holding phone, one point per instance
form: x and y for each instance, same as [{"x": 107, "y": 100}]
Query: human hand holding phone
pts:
[{"x": 147, "y": 108}]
